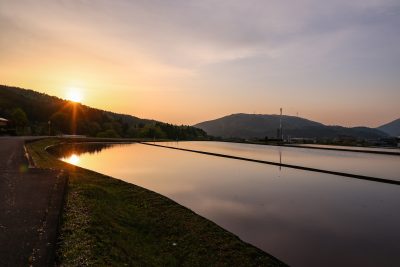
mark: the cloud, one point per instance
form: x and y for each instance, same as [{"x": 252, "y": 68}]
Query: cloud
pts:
[
  {"x": 188, "y": 34},
  {"x": 246, "y": 47}
]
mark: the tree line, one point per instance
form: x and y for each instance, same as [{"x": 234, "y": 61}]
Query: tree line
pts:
[{"x": 34, "y": 113}]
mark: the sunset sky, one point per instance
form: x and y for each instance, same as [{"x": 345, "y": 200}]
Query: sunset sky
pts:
[{"x": 337, "y": 62}]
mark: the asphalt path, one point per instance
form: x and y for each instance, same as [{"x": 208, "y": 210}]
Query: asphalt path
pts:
[{"x": 30, "y": 208}]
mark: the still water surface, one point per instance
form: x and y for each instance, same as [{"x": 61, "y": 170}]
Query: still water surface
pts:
[
  {"x": 303, "y": 218},
  {"x": 375, "y": 165},
  {"x": 379, "y": 149}
]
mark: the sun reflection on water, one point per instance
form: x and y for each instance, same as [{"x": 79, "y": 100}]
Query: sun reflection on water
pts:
[{"x": 73, "y": 159}]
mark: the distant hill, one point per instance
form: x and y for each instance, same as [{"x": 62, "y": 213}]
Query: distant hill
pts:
[
  {"x": 391, "y": 128},
  {"x": 30, "y": 112},
  {"x": 261, "y": 126}
]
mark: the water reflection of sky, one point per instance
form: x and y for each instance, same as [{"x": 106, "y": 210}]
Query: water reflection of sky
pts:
[
  {"x": 381, "y": 166},
  {"x": 303, "y": 218},
  {"x": 380, "y": 149}
]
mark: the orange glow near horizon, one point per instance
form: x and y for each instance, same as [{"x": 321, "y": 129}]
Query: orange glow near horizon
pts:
[{"x": 74, "y": 95}]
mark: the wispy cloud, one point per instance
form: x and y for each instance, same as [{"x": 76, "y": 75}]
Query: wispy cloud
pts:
[{"x": 275, "y": 46}]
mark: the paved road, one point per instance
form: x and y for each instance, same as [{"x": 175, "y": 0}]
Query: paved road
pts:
[{"x": 30, "y": 208}]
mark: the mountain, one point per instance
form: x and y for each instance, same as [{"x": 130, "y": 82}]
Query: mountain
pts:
[
  {"x": 261, "y": 126},
  {"x": 391, "y": 128},
  {"x": 30, "y": 113}
]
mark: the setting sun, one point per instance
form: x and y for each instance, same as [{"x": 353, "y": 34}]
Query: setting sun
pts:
[{"x": 75, "y": 95}]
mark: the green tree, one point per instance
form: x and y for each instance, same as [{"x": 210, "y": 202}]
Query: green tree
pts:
[
  {"x": 60, "y": 122},
  {"x": 133, "y": 132},
  {"x": 19, "y": 117},
  {"x": 93, "y": 128},
  {"x": 110, "y": 133},
  {"x": 20, "y": 120},
  {"x": 150, "y": 131}
]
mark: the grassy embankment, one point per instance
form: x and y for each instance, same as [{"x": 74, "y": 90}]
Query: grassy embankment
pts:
[{"x": 109, "y": 222}]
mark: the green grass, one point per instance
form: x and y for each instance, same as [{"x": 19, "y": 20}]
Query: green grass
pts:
[{"x": 108, "y": 222}]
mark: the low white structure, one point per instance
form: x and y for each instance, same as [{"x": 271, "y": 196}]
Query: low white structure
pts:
[{"x": 3, "y": 122}]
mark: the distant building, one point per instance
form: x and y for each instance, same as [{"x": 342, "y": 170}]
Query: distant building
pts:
[
  {"x": 6, "y": 127},
  {"x": 3, "y": 122}
]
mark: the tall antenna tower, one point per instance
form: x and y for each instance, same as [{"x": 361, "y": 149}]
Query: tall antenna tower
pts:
[{"x": 280, "y": 125}]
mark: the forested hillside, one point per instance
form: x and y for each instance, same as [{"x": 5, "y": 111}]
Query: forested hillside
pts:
[
  {"x": 262, "y": 125},
  {"x": 34, "y": 113},
  {"x": 391, "y": 128}
]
